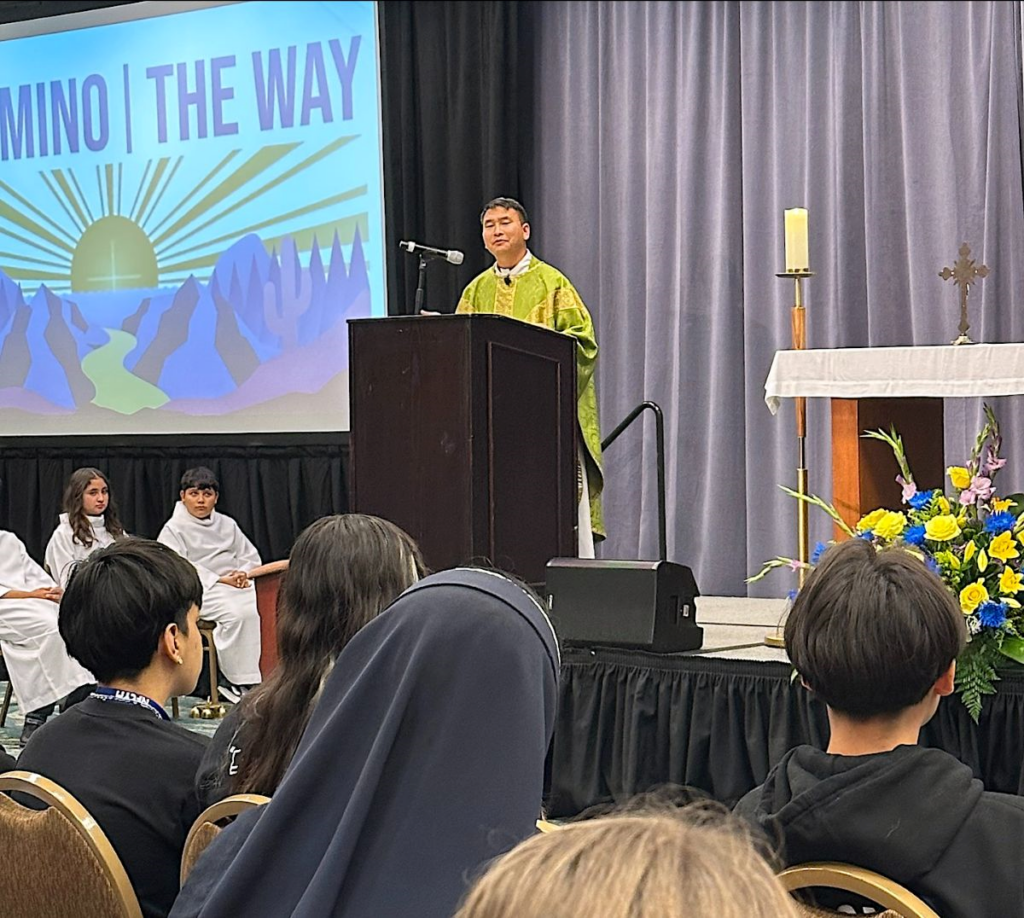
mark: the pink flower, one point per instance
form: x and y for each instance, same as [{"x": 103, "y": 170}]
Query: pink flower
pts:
[
  {"x": 982, "y": 487},
  {"x": 909, "y": 488},
  {"x": 992, "y": 464}
]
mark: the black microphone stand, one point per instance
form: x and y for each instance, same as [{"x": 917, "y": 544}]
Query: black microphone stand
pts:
[{"x": 420, "y": 285}]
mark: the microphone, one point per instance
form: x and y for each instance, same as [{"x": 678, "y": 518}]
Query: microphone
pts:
[{"x": 452, "y": 256}]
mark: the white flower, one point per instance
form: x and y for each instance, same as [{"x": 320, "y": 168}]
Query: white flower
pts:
[{"x": 974, "y": 624}]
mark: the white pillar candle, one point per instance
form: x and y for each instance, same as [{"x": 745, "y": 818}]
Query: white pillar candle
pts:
[{"x": 797, "y": 258}]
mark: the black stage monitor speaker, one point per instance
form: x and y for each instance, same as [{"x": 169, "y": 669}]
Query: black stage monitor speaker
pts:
[{"x": 645, "y": 605}]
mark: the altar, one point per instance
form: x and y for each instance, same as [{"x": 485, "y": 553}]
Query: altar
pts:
[{"x": 875, "y": 387}]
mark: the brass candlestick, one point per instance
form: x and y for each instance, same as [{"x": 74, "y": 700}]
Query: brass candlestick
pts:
[
  {"x": 798, "y": 321},
  {"x": 799, "y": 327}
]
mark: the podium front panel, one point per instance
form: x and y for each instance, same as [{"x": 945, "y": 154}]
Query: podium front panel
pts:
[{"x": 464, "y": 434}]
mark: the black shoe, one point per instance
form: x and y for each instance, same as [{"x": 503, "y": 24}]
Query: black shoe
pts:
[{"x": 33, "y": 721}]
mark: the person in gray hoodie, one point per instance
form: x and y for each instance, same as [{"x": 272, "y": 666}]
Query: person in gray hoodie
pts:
[{"x": 875, "y": 634}]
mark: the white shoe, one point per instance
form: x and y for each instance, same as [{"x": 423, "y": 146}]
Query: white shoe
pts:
[{"x": 230, "y": 693}]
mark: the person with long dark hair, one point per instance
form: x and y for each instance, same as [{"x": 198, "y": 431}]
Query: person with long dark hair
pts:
[
  {"x": 343, "y": 570},
  {"x": 90, "y": 520},
  {"x": 422, "y": 760}
]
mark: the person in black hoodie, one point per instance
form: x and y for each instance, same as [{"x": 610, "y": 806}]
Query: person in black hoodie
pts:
[{"x": 875, "y": 635}]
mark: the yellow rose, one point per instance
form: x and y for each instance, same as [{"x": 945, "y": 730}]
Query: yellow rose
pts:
[
  {"x": 1010, "y": 582},
  {"x": 870, "y": 520},
  {"x": 972, "y": 596},
  {"x": 999, "y": 504},
  {"x": 982, "y": 561},
  {"x": 1004, "y": 547},
  {"x": 890, "y": 526},
  {"x": 960, "y": 477},
  {"x": 943, "y": 504},
  {"x": 941, "y": 528},
  {"x": 969, "y": 551}
]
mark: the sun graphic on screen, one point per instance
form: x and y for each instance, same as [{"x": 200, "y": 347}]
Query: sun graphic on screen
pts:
[{"x": 82, "y": 242}]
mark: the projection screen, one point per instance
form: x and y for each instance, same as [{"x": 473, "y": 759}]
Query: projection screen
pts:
[{"x": 191, "y": 207}]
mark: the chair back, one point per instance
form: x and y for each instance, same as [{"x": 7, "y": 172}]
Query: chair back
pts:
[
  {"x": 57, "y": 862},
  {"x": 209, "y": 823},
  {"x": 848, "y": 878}
]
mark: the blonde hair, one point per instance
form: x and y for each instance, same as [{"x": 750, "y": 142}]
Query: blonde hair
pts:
[{"x": 696, "y": 862}]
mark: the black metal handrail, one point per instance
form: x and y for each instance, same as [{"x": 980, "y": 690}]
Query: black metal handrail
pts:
[{"x": 659, "y": 433}]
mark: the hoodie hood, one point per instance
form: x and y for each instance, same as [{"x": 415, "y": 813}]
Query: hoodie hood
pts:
[{"x": 894, "y": 812}]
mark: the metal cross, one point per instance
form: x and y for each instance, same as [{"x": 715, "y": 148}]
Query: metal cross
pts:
[{"x": 963, "y": 273}]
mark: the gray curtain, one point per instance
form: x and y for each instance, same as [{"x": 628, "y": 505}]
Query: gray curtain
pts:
[{"x": 669, "y": 139}]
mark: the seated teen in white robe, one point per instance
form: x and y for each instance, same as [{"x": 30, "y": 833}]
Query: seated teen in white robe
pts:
[
  {"x": 87, "y": 497},
  {"x": 64, "y": 550},
  {"x": 222, "y": 555},
  {"x": 41, "y": 670}
]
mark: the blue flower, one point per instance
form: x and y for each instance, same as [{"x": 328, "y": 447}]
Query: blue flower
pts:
[
  {"x": 867, "y": 535},
  {"x": 819, "y": 550},
  {"x": 921, "y": 499},
  {"x": 992, "y": 614},
  {"x": 932, "y": 565},
  {"x": 1000, "y": 522},
  {"x": 914, "y": 535},
  {"x": 791, "y": 595}
]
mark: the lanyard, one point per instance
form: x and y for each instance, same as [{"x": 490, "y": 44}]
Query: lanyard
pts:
[{"x": 122, "y": 696}]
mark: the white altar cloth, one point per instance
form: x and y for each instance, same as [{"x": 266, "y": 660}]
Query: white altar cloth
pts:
[{"x": 964, "y": 371}]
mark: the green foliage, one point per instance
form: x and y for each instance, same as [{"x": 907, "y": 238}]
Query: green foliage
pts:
[{"x": 975, "y": 675}]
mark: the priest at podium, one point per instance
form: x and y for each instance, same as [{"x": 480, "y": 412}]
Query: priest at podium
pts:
[{"x": 521, "y": 286}]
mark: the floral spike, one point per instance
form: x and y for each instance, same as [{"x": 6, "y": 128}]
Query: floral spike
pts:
[
  {"x": 816, "y": 501},
  {"x": 772, "y": 565},
  {"x": 895, "y": 442}
]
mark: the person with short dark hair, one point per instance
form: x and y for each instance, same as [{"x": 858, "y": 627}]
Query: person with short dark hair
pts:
[
  {"x": 521, "y": 286},
  {"x": 130, "y": 615},
  {"x": 223, "y": 557},
  {"x": 37, "y": 661},
  {"x": 90, "y": 520},
  {"x": 875, "y": 634}
]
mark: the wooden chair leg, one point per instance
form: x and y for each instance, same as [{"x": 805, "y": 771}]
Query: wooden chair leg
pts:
[
  {"x": 214, "y": 691},
  {"x": 7, "y": 702}
]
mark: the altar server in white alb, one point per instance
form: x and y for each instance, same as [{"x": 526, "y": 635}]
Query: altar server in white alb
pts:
[
  {"x": 41, "y": 671},
  {"x": 89, "y": 521},
  {"x": 223, "y": 556}
]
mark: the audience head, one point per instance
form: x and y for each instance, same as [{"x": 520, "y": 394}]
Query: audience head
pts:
[
  {"x": 342, "y": 572},
  {"x": 199, "y": 491},
  {"x": 505, "y": 230},
  {"x": 697, "y": 862},
  {"x": 131, "y": 606},
  {"x": 873, "y": 632},
  {"x": 88, "y": 494}
]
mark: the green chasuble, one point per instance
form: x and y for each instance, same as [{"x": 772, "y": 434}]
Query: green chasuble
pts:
[{"x": 542, "y": 295}]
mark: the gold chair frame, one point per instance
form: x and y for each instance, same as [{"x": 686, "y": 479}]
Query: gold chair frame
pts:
[
  {"x": 52, "y": 794},
  {"x": 880, "y": 889},
  {"x": 216, "y": 813}
]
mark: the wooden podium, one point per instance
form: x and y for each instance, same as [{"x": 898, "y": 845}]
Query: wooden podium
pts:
[
  {"x": 464, "y": 434},
  {"x": 871, "y": 388}
]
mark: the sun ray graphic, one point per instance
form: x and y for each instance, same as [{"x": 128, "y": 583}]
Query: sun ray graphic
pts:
[{"x": 151, "y": 223}]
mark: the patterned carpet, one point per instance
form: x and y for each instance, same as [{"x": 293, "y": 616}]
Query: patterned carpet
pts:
[{"x": 11, "y": 730}]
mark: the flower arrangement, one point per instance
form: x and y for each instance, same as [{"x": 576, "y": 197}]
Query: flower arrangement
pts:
[{"x": 971, "y": 538}]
